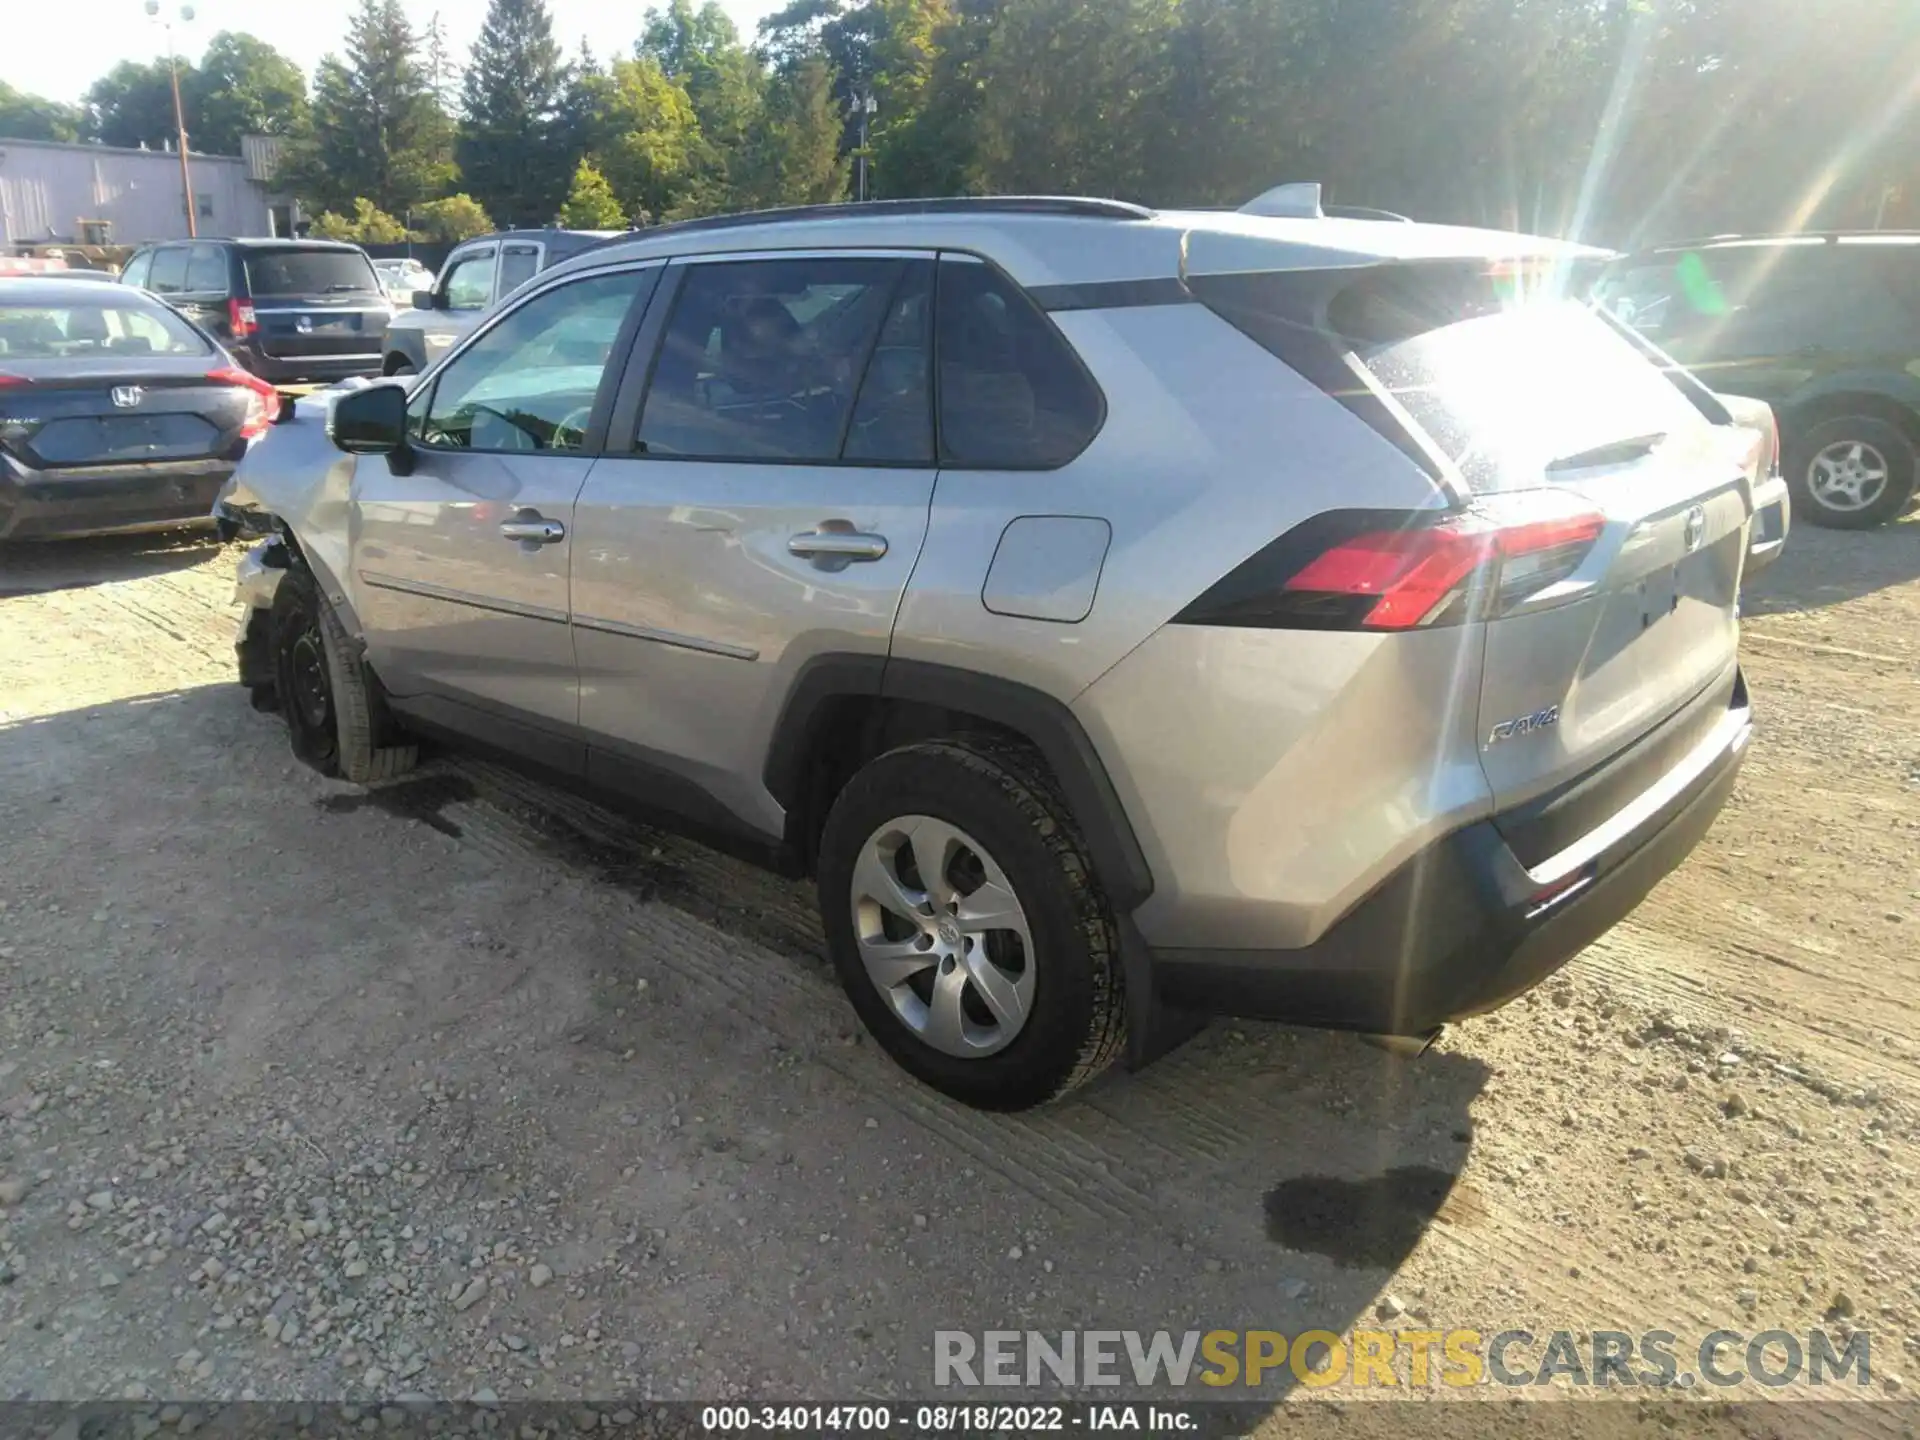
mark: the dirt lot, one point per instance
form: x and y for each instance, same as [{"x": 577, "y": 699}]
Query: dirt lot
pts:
[{"x": 465, "y": 1087}]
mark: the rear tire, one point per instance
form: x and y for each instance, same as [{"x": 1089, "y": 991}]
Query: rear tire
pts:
[
  {"x": 1013, "y": 912},
  {"x": 1852, "y": 472},
  {"x": 334, "y": 717}
]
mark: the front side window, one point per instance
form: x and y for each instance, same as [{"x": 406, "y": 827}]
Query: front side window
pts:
[
  {"x": 763, "y": 359},
  {"x": 518, "y": 264},
  {"x": 470, "y": 282},
  {"x": 1013, "y": 395},
  {"x": 530, "y": 382}
]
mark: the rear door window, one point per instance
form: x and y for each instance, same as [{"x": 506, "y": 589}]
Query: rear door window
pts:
[
  {"x": 207, "y": 270},
  {"x": 295, "y": 274},
  {"x": 1013, "y": 395},
  {"x": 518, "y": 264},
  {"x": 762, "y": 359},
  {"x": 169, "y": 275}
]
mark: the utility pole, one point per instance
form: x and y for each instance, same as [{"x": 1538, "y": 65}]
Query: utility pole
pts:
[
  {"x": 865, "y": 107},
  {"x": 179, "y": 115}
]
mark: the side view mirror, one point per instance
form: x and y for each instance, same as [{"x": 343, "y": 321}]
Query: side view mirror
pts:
[
  {"x": 425, "y": 300},
  {"x": 372, "y": 421}
]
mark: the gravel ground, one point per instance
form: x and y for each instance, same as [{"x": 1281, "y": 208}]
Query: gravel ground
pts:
[{"x": 464, "y": 1088}]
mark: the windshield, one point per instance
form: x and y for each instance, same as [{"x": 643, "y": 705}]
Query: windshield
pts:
[
  {"x": 51, "y": 332},
  {"x": 310, "y": 272}
]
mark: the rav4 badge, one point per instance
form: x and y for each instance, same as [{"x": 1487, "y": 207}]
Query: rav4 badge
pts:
[{"x": 1524, "y": 724}]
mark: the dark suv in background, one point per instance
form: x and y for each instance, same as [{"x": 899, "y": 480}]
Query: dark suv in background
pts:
[
  {"x": 287, "y": 310},
  {"x": 1825, "y": 328}
]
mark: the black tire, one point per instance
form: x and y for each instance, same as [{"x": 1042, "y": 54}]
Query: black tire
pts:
[
  {"x": 997, "y": 792},
  {"x": 1889, "y": 441},
  {"x": 399, "y": 365},
  {"x": 334, "y": 718}
]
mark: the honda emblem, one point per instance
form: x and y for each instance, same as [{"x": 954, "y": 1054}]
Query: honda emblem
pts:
[{"x": 127, "y": 396}]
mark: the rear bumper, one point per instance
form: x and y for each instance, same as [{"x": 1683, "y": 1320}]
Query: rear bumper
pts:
[
  {"x": 45, "y": 505},
  {"x": 1464, "y": 927},
  {"x": 287, "y": 370}
]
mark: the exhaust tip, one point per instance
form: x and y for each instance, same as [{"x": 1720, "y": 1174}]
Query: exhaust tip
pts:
[{"x": 1407, "y": 1047}]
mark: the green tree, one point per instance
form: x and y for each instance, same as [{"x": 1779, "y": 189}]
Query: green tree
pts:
[
  {"x": 242, "y": 86},
  {"x": 132, "y": 105},
  {"x": 367, "y": 225},
  {"x": 376, "y": 130},
  {"x": 700, "y": 50},
  {"x": 30, "y": 117},
  {"x": 793, "y": 157},
  {"x": 591, "y": 204},
  {"x": 443, "y": 75},
  {"x": 649, "y": 140},
  {"x": 512, "y": 143},
  {"x": 450, "y": 220}
]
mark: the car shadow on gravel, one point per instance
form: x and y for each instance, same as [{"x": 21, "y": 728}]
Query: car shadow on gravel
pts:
[
  {"x": 1830, "y": 567},
  {"x": 30, "y": 569},
  {"x": 478, "y": 992}
]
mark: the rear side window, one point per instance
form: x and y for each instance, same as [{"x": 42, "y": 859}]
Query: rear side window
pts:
[
  {"x": 1013, "y": 395},
  {"x": 1497, "y": 372},
  {"x": 762, "y": 359},
  {"x": 207, "y": 269},
  {"x": 169, "y": 275},
  {"x": 288, "y": 274}
]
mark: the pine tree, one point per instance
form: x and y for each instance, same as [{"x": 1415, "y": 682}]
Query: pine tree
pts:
[
  {"x": 377, "y": 132},
  {"x": 590, "y": 203},
  {"x": 511, "y": 149},
  {"x": 443, "y": 75}
]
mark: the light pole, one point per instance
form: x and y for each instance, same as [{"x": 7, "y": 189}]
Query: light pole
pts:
[
  {"x": 179, "y": 115},
  {"x": 865, "y": 107}
]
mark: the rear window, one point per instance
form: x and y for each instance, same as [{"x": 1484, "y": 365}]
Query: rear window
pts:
[
  {"x": 1501, "y": 375},
  {"x": 35, "y": 332},
  {"x": 279, "y": 273}
]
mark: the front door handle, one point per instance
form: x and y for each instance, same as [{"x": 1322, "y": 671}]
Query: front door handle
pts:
[
  {"x": 843, "y": 545},
  {"x": 533, "y": 529}
]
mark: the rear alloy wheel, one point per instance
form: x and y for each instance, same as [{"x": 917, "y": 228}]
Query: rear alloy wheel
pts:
[
  {"x": 966, "y": 925},
  {"x": 333, "y": 714},
  {"x": 1852, "y": 473}
]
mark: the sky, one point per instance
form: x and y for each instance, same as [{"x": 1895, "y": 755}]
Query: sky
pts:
[{"x": 57, "y": 48}]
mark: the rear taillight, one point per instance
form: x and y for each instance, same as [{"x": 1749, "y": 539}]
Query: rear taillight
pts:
[
  {"x": 262, "y": 399},
  {"x": 1390, "y": 570},
  {"x": 240, "y": 318},
  {"x": 7, "y": 380}
]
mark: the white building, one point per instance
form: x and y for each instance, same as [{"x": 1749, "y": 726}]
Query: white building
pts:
[{"x": 97, "y": 195}]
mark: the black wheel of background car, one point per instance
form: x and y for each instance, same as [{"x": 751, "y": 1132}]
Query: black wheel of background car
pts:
[
  {"x": 1852, "y": 472},
  {"x": 333, "y": 716},
  {"x": 967, "y": 925}
]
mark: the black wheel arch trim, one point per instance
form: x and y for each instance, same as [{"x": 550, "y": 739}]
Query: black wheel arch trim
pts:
[{"x": 1041, "y": 719}]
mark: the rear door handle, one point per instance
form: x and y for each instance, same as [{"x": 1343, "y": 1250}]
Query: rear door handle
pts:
[
  {"x": 534, "y": 530},
  {"x": 838, "y": 545}
]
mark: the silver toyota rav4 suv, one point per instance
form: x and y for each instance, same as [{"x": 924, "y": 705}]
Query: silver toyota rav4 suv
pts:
[{"x": 1125, "y": 615}]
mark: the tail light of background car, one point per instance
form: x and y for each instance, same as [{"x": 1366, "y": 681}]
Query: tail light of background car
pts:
[
  {"x": 263, "y": 401},
  {"x": 1395, "y": 570},
  {"x": 240, "y": 319}
]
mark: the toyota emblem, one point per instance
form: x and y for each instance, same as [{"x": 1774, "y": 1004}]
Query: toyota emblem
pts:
[{"x": 1696, "y": 527}]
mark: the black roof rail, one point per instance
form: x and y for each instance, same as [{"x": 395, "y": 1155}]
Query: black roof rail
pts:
[{"x": 1063, "y": 205}]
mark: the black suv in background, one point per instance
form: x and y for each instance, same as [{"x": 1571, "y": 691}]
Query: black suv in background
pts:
[
  {"x": 287, "y": 310},
  {"x": 1825, "y": 328}
]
